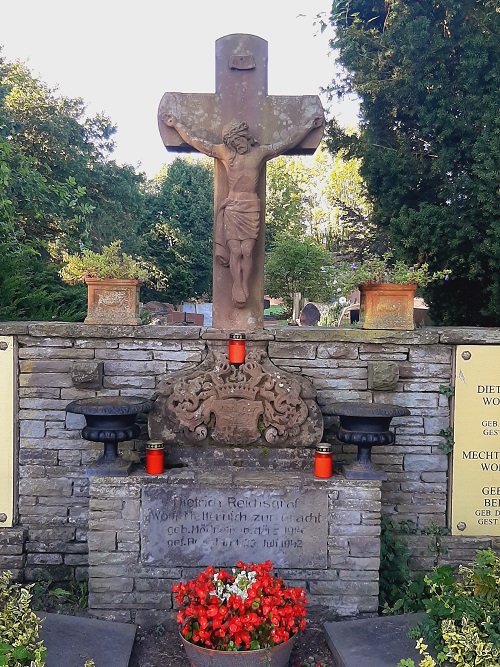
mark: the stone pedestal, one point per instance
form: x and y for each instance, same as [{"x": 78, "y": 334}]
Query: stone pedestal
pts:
[{"x": 146, "y": 533}]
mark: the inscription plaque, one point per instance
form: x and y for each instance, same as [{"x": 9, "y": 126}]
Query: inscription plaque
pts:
[
  {"x": 9, "y": 400},
  {"x": 475, "y": 506},
  {"x": 208, "y": 526}
]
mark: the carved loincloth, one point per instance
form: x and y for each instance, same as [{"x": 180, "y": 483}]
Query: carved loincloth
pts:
[{"x": 237, "y": 219}]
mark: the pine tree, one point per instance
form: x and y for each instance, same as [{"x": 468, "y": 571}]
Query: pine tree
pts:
[{"x": 428, "y": 73}]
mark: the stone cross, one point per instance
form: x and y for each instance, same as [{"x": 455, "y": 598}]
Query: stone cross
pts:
[{"x": 242, "y": 127}]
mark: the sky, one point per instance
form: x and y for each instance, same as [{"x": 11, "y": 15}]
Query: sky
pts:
[{"x": 120, "y": 57}]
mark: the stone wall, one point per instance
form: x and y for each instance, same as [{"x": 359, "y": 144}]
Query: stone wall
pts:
[
  {"x": 357, "y": 365},
  {"x": 12, "y": 553},
  {"x": 431, "y": 550},
  {"x": 61, "y": 362}
]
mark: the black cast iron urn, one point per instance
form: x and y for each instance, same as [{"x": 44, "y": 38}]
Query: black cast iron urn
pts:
[
  {"x": 110, "y": 420},
  {"x": 365, "y": 425}
]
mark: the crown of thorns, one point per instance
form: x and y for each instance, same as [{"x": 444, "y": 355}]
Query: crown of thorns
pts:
[{"x": 233, "y": 130}]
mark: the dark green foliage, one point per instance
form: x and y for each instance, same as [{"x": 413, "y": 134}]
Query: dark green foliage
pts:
[
  {"x": 116, "y": 193},
  {"x": 178, "y": 232},
  {"x": 58, "y": 191},
  {"x": 31, "y": 289},
  {"x": 428, "y": 76},
  {"x": 400, "y": 590},
  {"x": 289, "y": 199}
]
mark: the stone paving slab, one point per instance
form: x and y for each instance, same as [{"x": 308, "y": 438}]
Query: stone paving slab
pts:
[
  {"x": 70, "y": 640},
  {"x": 373, "y": 642}
]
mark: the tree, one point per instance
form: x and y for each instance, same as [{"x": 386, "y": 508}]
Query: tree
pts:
[
  {"x": 58, "y": 191},
  {"x": 297, "y": 266},
  {"x": 341, "y": 218},
  {"x": 427, "y": 73},
  {"x": 323, "y": 197},
  {"x": 178, "y": 230},
  {"x": 117, "y": 195},
  {"x": 55, "y": 149},
  {"x": 289, "y": 197}
]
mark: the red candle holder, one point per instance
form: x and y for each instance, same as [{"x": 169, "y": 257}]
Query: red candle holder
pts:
[
  {"x": 155, "y": 458},
  {"x": 237, "y": 348},
  {"x": 323, "y": 463}
]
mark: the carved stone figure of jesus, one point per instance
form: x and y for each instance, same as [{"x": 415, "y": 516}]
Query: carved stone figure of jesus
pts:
[{"x": 238, "y": 218}]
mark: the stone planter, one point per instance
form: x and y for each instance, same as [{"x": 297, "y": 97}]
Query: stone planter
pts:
[
  {"x": 113, "y": 301},
  {"x": 277, "y": 656},
  {"x": 387, "y": 306}
]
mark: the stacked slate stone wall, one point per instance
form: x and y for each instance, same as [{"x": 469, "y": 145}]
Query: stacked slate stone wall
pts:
[
  {"x": 405, "y": 369},
  {"x": 58, "y": 363}
]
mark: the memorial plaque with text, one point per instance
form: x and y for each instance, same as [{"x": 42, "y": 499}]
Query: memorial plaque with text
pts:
[
  {"x": 208, "y": 526},
  {"x": 476, "y": 452},
  {"x": 7, "y": 441}
]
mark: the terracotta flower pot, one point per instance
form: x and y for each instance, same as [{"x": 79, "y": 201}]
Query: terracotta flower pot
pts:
[
  {"x": 277, "y": 656},
  {"x": 387, "y": 306},
  {"x": 113, "y": 301}
]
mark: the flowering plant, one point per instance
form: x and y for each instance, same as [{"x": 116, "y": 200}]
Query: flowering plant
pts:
[
  {"x": 248, "y": 609},
  {"x": 384, "y": 269}
]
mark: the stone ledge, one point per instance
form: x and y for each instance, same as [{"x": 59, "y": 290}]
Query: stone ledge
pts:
[
  {"x": 472, "y": 335},
  {"x": 13, "y": 328},
  {"x": 427, "y": 336},
  {"x": 223, "y": 334},
  {"x": 424, "y": 336},
  {"x": 80, "y": 330},
  {"x": 243, "y": 477}
]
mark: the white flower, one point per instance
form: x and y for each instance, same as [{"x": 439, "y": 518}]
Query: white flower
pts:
[
  {"x": 240, "y": 586},
  {"x": 342, "y": 300}
]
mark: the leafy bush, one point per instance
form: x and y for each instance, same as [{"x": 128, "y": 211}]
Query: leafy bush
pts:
[
  {"x": 20, "y": 645},
  {"x": 385, "y": 269},
  {"x": 463, "y": 615}
]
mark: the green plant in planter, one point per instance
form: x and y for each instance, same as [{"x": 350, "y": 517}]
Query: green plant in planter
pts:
[
  {"x": 20, "y": 645},
  {"x": 112, "y": 262},
  {"x": 385, "y": 269}
]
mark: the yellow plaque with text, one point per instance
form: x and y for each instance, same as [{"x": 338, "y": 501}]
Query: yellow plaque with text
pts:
[
  {"x": 475, "y": 499},
  {"x": 6, "y": 431}
]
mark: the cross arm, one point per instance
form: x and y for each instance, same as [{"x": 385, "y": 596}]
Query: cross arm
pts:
[
  {"x": 212, "y": 150},
  {"x": 197, "y": 111},
  {"x": 296, "y": 137},
  {"x": 292, "y": 125}
]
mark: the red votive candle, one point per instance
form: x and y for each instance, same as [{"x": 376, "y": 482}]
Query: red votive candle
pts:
[
  {"x": 155, "y": 458},
  {"x": 236, "y": 348},
  {"x": 323, "y": 465}
]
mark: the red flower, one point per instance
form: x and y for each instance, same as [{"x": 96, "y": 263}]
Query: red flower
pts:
[{"x": 246, "y": 608}]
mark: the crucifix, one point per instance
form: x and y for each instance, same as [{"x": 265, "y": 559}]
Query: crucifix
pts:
[{"x": 242, "y": 127}]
